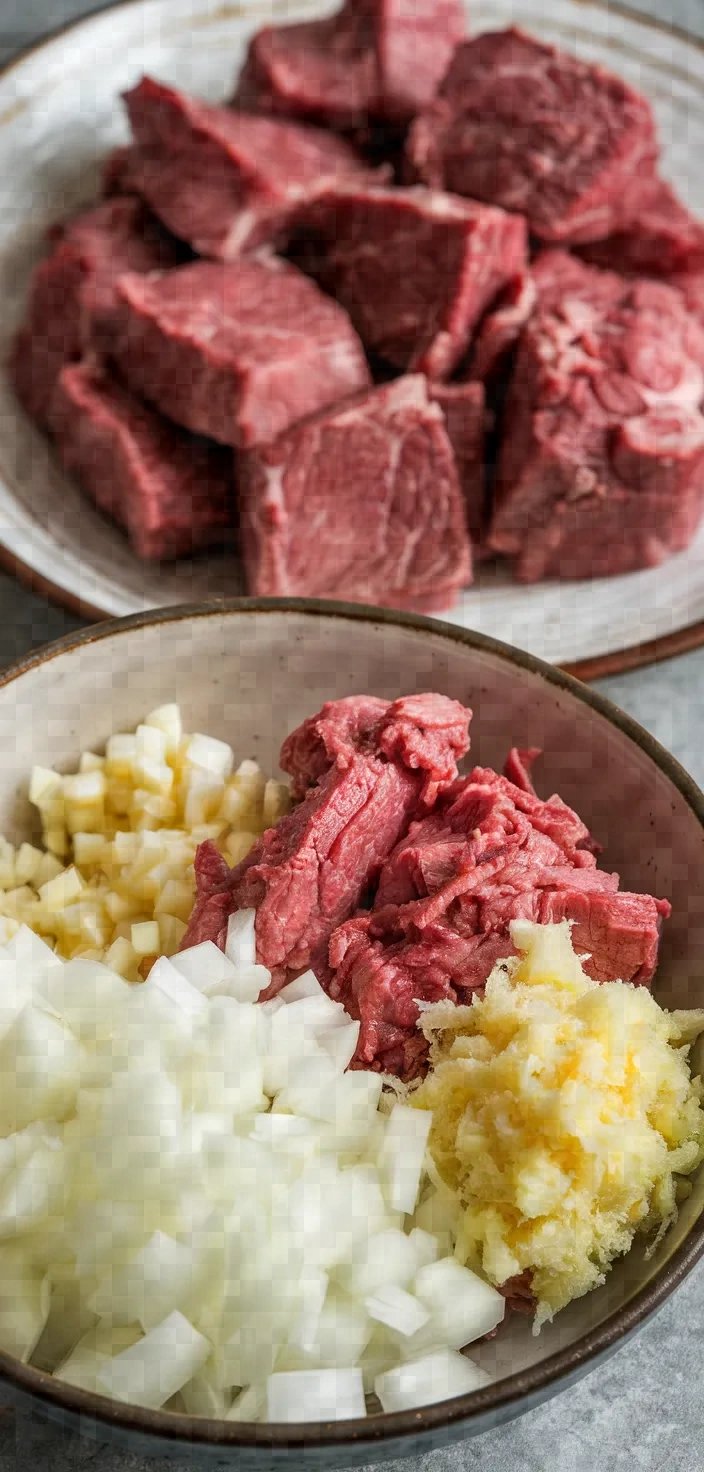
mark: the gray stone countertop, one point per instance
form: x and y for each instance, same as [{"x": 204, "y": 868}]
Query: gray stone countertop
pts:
[{"x": 643, "y": 1411}]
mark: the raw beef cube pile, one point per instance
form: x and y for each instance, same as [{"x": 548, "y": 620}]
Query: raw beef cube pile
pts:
[
  {"x": 397, "y": 880},
  {"x": 331, "y": 313}
]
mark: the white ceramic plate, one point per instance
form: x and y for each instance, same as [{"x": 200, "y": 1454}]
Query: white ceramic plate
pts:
[{"x": 59, "y": 115}]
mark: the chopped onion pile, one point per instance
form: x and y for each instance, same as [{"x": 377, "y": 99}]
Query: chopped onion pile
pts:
[
  {"x": 200, "y": 1209},
  {"x": 115, "y": 879}
]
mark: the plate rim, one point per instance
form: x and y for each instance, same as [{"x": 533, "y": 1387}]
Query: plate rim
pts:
[{"x": 595, "y": 667}]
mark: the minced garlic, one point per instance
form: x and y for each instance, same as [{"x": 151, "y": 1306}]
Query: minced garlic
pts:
[{"x": 563, "y": 1114}]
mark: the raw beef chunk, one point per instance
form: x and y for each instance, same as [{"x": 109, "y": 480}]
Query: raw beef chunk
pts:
[
  {"x": 490, "y": 852},
  {"x": 663, "y": 239},
  {"x": 360, "y": 502},
  {"x": 171, "y": 492},
  {"x": 415, "y": 268},
  {"x": 223, "y": 180},
  {"x": 501, "y": 327},
  {"x": 602, "y": 464},
  {"x": 374, "y": 58},
  {"x": 463, "y": 407},
  {"x": 237, "y": 352},
  {"x": 527, "y": 127},
  {"x": 365, "y": 767},
  {"x": 76, "y": 281}
]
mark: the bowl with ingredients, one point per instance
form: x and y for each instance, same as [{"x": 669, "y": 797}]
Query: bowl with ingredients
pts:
[
  {"x": 441, "y": 266},
  {"x": 351, "y": 1077}
]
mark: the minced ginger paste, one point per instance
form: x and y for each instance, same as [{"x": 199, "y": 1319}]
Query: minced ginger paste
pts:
[{"x": 564, "y": 1116}]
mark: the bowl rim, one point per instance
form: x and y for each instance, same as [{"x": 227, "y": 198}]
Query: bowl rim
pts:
[{"x": 494, "y": 1400}]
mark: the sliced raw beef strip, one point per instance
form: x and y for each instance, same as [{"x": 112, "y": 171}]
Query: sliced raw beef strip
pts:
[
  {"x": 522, "y": 125},
  {"x": 664, "y": 239},
  {"x": 489, "y": 853},
  {"x": 374, "y": 765},
  {"x": 465, "y": 420},
  {"x": 76, "y": 281},
  {"x": 223, "y": 180},
  {"x": 238, "y": 352},
  {"x": 172, "y": 493},
  {"x": 602, "y": 464},
  {"x": 501, "y": 328},
  {"x": 362, "y": 502},
  {"x": 415, "y": 268},
  {"x": 374, "y": 58}
]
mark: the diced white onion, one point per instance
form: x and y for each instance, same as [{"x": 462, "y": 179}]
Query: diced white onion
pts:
[
  {"x": 241, "y": 945},
  {"x": 154, "y": 1368},
  {"x": 305, "y": 985},
  {"x": 39, "y": 1067},
  {"x": 397, "y": 1309},
  {"x": 403, "y": 1153},
  {"x": 462, "y": 1307},
  {"x": 425, "y": 1381},
  {"x": 205, "y": 966},
  {"x": 315, "y": 1395}
]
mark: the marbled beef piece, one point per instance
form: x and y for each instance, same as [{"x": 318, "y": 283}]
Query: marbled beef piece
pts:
[
  {"x": 77, "y": 281},
  {"x": 464, "y": 408},
  {"x": 601, "y": 469},
  {"x": 415, "y": 268},
  {"x": 489, "y": 853},
  {"x": 237, "y": 352},
  {"x": 520, "y": 124},
  {"x": 373, "y": 59},
  {"x": 225, "y": 181},
  {"x": 172, "y": 493},
  {"x": 367, "y": 767},
  {"x": 664, "y": 239},
  {"x": 361, "y": 501}
]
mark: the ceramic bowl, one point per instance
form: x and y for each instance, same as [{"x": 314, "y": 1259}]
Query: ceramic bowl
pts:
[{"x": 250, "y": 670}]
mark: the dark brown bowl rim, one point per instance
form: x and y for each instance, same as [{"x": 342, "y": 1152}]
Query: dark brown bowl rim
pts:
[
  {"x": 564, "y": 1364},
  {"x": 634, "y": 656}
]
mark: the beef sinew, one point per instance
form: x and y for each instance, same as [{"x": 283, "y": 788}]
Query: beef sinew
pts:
[
  {"x": 490, "y": 852},
  {"x": 362, "y": 501},
  {"x": 237, "y": 352},
  {"x": 223, "y": 180},
  {"x": 522, "y": 125},
  {"x": 172, "y": 493},
  {"x": 77, "y": 281},
  {"x": 363, "y": 767},
  {"x": 373, "y": 58},
  {"x": 602, "y": 464},
  {"x": 415, "y": 268}
]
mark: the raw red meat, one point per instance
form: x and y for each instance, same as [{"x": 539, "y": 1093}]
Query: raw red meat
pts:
[
  {"x": 415, "y": 268},
  {"x": 663, "y": 239},
  {"x": 172, "y": 493},
  {"x": 237, "y": 352},
  {"x": 222, "y": 180},
  {"x": 522, "y": 125},
  {"x": 602, "y": 470},
  {"x": 490, "y": 852},
  {"x": 465, "y": 419},
  {"x": 374, "y": 58},
  {"x": 361, "y": 502},
  {"x": 76, "y": 281},
  {"x": 374, "y": 765},
  {"x": 501, "y": 327}
]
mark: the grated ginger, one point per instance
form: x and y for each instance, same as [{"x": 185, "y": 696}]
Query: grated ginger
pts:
[
  {"x": 114, "y": 880},
  {"x": 564, "y": 1117}
]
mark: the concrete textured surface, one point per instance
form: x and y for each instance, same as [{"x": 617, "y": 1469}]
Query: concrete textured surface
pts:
[{"x": 643, "y": 1411}]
